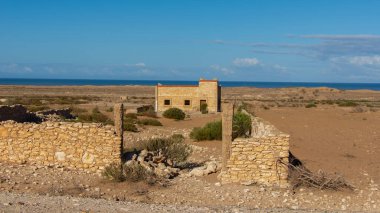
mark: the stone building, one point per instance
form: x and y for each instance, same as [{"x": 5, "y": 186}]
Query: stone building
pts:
[{"x": 189, "y": 98}]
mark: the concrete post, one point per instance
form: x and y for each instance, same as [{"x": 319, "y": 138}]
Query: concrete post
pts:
[
  {"x": 227, "y": 115},
  {"x": 118, "y": 111}
]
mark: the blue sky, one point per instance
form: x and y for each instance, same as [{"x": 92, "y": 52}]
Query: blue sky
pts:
[{"x": 267, "y": 40}]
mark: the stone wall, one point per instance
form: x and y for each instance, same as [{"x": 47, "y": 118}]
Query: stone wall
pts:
[
  {"x": 254, "y": 160},
  {"x": 76, "y": 146}
]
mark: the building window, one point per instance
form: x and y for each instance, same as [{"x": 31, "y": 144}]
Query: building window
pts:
[
  {"x": 166, "y": 102},
  {"x": 187, "y": 102}
]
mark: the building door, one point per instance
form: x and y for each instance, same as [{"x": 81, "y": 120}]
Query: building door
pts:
[{"x": 202, "y": 102}]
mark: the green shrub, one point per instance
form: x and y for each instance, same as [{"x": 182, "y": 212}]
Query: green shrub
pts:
[
  {"x": 114, "y": 172},
  {"x": 310, "y": 105},
  {"x": 150, "y": 122},
  {"x": 150, "y": 113},
  {"x": 95, "y": 117},
  {"x": 173, "y": 147},
  {"x": 146, "y": 111},
  {"x": 110, "y": 109},
  {"x": 129, "y": 126},
  {"x": 347, "y": 104},
  {"x": 131, "y": 115},
  {"x": 203, "y": 108},
  {"x": 241, "y": 125},
  {"x": 211, "y": 131},
  {"x": 174, "y": 113}
]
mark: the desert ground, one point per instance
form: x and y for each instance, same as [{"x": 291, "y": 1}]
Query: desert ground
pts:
[{"x": 336, "y": 131}]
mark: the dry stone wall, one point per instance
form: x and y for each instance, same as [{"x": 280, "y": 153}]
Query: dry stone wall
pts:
[
  {"x": 254, "y": 160},
  {"x": 77, "y": 146}
]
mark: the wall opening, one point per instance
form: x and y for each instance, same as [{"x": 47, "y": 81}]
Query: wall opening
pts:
[{"x": 166, "y": 102}]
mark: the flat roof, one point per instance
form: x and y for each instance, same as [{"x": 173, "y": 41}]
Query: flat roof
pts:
[{"x": 177, "y": 86}]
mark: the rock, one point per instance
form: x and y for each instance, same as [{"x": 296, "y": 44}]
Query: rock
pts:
[
  {"x": 143, "y": 153},
  {"x": 247, "y": 183},
  {"x": 294, "y": 207},
  {"x": 208, "y": 168},
  {"x": 60, "y": 156}
]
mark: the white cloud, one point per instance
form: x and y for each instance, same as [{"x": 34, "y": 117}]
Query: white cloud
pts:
[
  {"x": 140, "y": 64},
  {"x": 373, "y": 60},
  {"x": 224, "y": 70},
  {"x": 246, "y": 62},
  {"x": 365, "y": 60},
  {"x": 28, "y": 69},
  {"x": 338, "y": 37}
]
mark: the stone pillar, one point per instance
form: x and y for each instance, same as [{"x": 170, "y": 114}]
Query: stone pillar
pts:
[
  {"x": 227, "y": 115},
  {"x": 118, "y": 113},
  {"x": 119, "y": 116}
]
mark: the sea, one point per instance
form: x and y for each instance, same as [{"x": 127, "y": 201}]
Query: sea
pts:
[{"x": 97, "y": 82}]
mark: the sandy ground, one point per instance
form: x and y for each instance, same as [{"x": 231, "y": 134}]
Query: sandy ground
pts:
[{"x": 328, "y": 137}]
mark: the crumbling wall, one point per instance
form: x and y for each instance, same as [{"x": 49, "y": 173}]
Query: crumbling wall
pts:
[
  {"x": 254, "y": 160},
  {"x": 78, "y": 146}
]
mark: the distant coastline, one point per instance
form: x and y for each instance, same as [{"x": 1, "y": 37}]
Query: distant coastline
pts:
[{"x": 82, "y": 82}]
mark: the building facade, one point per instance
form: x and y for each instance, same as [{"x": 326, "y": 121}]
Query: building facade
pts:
[{"x": 189, "y": 98}]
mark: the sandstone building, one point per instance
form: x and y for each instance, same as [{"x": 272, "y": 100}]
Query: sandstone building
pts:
[{"x": 189, "y": 98}]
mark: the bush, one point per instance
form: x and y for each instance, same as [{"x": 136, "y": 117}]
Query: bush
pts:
[
  {"x": 173, "y": 147},
  {"x": 310, "y": 105},
  {"x": 150, "y": 122},
  {"x": 347, "y": 104},
  {"x": 131, "y": 172},
  {"x": 114, "y": 172},
  {"x": 135, "y": 172},
  {"x": 131, "y": 115},
  {"x": 174, "y": 113},
  {"x": 150, "y": 113},
  {"x": 211, "y": 131},
  {"x": 203, "y": 108},
  {"x": 146, "y": 111},
  {"x": 241, "y": 127},
  {"x": 130, "y": 127},
  {"x": 95, "y": 117}
]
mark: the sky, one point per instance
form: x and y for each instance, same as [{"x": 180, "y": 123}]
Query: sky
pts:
[{"x": 232, "y": 40}]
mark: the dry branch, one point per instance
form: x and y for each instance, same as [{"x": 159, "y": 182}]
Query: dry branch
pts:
[{"x": 301, "y": 176}]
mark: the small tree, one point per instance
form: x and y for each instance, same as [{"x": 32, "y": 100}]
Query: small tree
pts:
[{"x": 174, "y": 113}]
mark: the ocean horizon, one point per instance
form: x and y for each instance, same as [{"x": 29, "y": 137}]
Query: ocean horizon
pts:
[{"x": 258, "y": 84}]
